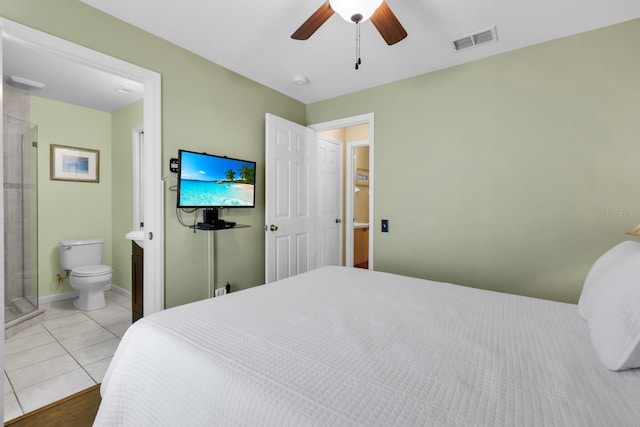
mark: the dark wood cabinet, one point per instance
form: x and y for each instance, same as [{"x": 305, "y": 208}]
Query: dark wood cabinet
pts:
[{"x": 137, "y": 270}]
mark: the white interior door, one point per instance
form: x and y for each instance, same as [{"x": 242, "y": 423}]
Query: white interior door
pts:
[
  {"x": 290, "y": 205},
  {"x": 329, "y": 201}
]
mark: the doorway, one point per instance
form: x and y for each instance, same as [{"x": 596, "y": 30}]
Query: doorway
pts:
[
  {"x": 293, "y": 245},
  {"x": 153, "y": 194},
  {"x": 358, "y": 218},
  {"x": 357, "y": 202}
]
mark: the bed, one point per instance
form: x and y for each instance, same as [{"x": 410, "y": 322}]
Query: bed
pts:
[{"x": 349, "y": 347}]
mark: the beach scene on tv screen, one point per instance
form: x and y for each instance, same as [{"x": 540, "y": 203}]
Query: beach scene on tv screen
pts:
[{"x": 215, "y": 181}]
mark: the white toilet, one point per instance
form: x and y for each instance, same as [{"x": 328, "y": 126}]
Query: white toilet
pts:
[{"x": 88, "y": 276}]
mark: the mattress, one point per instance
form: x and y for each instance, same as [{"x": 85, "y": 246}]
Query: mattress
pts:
[{"x": 341, "y": 346}]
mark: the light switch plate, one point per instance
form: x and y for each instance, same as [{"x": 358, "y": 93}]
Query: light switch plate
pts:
[{"x": 385, "y": 225}]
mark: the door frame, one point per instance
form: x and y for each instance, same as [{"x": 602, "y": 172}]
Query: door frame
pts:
[
  {"x": 367, "y": 118},
  {"x": 350, "y": 184},
  {"x": 137, "y": 142},
  {"x": 154, "y": 191}
]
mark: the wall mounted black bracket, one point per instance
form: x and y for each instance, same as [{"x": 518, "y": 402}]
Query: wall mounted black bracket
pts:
[{"x": 173, "y": 165}]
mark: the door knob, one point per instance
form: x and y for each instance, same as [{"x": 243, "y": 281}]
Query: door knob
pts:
[{"x": 273, "y": 227}]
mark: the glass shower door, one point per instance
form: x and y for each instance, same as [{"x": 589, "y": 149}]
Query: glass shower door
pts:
[{"x": 20, "y": 221}]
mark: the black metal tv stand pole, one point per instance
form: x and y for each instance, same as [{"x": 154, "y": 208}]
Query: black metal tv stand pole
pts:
[{"x": 211, "y": 222}]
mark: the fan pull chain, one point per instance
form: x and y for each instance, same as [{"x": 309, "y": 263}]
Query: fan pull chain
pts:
[{"x": 358, "y": 60}]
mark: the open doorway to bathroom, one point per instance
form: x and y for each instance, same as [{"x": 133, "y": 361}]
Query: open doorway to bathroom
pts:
[{"x": 61, "y": 357}]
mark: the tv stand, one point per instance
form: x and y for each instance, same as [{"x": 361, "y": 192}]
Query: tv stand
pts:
[
  {"x": 219, "y": 225},
  {"x": 211, "y": 221}
]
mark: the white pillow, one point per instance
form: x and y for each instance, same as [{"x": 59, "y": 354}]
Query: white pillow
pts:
[
  {"x": 604, "y": 266},
  {"x": 614, "y": 315}
]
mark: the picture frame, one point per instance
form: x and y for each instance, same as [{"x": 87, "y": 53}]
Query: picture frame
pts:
[
  {"x": 74, "y": 164},
  {"x": 362, "y": 177}
]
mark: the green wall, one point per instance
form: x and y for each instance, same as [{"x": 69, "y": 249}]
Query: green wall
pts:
[
  {"x": 101, "y": 210},
  {"x": 69, "y": 210},
  {"x": 204, "y": 108},
  {"x": 521, "y": 167},
  {"x": 518, "y": 170}
]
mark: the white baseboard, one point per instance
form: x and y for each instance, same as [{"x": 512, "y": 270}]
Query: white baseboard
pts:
[
  {"x": 74, "y": 294},
  {"x": 121, "y": 291},
  {"x": 57, "y": 297}
]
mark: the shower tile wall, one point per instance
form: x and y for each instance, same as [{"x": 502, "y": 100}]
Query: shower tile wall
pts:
[
  {"x": 18, "y": 274},
  {"x": 16, "y": 104}
]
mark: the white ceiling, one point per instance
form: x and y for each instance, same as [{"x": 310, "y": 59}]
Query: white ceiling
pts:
[
  {"x": 252, "y": 38},
  {"x": 65, "y": 80}
]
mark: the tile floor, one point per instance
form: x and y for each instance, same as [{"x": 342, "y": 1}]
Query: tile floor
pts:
[{"x": 68, "y": 352}]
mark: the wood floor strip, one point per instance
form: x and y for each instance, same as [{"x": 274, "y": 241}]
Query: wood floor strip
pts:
[{"x": 77, "y": 410}]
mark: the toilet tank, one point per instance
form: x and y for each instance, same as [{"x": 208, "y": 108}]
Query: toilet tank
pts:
[{"x": 76, "y": 253}]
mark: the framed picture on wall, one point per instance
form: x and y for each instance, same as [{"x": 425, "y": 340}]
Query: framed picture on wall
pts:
[
  {"x": 74, "y": 164},
  {"x": 362, "y": 177}
]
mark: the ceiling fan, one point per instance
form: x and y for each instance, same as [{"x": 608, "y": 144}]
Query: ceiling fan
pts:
[{"x": 355, "y": 11}]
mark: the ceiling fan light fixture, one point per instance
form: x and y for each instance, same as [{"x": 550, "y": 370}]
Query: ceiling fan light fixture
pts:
[{"x": 350, "y": 9}]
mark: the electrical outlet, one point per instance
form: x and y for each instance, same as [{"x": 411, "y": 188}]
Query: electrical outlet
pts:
[
  {"x": 385, "y": 225},
  {"x": 221, "y": 291}
]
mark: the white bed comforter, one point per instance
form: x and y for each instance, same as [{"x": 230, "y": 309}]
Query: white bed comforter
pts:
[{"x": 341, "y": 346}]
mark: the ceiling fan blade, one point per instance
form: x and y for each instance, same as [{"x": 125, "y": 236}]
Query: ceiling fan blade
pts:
[
  {"x": 314, "y": 22},
  {"x": 388, "y": 25}
]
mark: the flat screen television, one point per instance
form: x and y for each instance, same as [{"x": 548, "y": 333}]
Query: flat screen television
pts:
[{"x": 213, "y": 182}]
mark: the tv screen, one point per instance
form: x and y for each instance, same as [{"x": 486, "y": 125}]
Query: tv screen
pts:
[{"x": 209, "y": 181}]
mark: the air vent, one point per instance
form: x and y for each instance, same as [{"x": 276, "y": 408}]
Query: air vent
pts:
[
  {"x": 481, "y": 37},
  {"x": 463, "y": 43}
]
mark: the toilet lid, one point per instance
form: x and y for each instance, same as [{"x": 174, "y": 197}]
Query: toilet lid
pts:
[{"x": 91, "y": 270}]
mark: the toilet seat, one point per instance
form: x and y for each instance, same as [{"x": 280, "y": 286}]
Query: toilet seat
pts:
[{"x": 91, "y": 270}]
